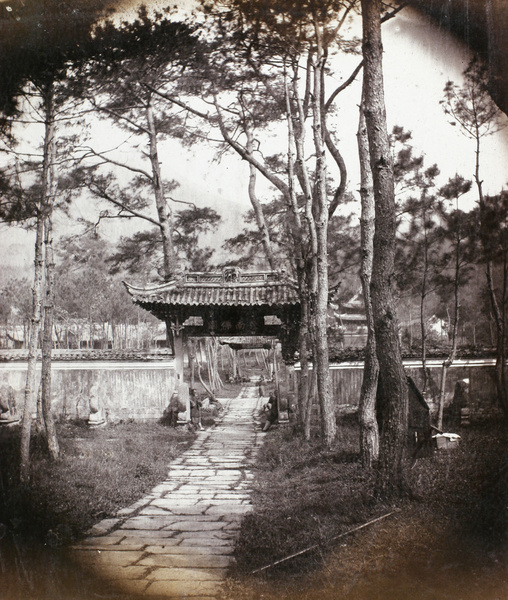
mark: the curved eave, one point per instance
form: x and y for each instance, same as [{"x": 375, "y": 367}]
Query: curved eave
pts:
[
  {"x": 160, "y": 303},
  {"x": 180, "y": 296}
]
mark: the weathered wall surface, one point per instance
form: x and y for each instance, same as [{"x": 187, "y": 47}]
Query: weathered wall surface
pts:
[
  {"x": 482, "y": 386},
  {"x": 346, "y": 381},
  {"x": 120, "y": 390}
]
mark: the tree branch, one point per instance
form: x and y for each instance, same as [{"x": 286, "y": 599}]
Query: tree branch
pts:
[
  {"x": 337, "y": 156},
  {"x": 114, "y": 114},
  {"x": 117, "y": 163},
  {"x": 183, "y": 202},
  {"x": 353, "y": 75},
  {"x": 272, "y": 178},
  {"x": 178, "y": 102},
  {"x": 101, "y": 193},
  {"x": 343, "y": 86}
]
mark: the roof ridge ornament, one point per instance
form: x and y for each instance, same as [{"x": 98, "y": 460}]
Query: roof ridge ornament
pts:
[
  {"x": 228, "y": 279},
  {"x": 231, "y": 275},
  {"x": 234, "y": 275}
]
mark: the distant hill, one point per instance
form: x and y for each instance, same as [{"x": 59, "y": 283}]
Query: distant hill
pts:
[{"x": 16, "y": 255}]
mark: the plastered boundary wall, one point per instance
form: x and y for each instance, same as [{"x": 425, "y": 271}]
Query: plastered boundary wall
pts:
[
  {"x": 122, "y": 390},
  {"x": 346, "y": 383}
]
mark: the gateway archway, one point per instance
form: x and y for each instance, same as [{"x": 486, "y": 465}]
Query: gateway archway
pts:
[{"x": 231, "y": 304}]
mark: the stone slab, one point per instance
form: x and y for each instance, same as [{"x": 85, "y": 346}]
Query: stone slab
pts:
[
  {"x": 148, "y": 534},
  {"x": 221, "y": 510},
  {"x": 187, "y": 574},
  {"x": 196, "y": 525},
  {"x": 115, "y": 558},
  {"x": 154, "y": 511},
  {"x": 189, "y": 561},
  {"x": 192, "y": 473},
  {"x": 208, "y": 541},
  {"x": 132, "y": 572},
  {"x": 126, "y": 512},
  {"x": 147, "y": 522},
  {"x": 183, "y": 589},
  {"x": 179, "y": 511},
  {"x": 184, "y": 549},
  {"x": 98, "y": 543},
  {"x": 149, "y": 541},
  {"x": 190, "y": 510},
  {"x": 230, "y": 498},
  {"x": 110, "y": 544},
  {"x": 183, "y": 498},
  {"x": 103, "y": 527}
]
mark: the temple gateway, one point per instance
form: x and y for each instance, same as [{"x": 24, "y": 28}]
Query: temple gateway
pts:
[{"x": 242, "y": 309}]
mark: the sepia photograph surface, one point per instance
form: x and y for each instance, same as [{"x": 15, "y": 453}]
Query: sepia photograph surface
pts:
[{"x": 253, "y": 299}]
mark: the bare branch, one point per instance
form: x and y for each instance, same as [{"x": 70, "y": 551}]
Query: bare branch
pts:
[
  {"x": 183, "y": 202},
  {"x": 102, "y": 193},
  {"x": 118, "y": 116},
  {"x": 178, "y": 102},
  {"x": 343, "y": 86},
  {"x": 92, "y": 152},
  {"x": 337, "y": 156},
  {"x": 272, "y": 178}
]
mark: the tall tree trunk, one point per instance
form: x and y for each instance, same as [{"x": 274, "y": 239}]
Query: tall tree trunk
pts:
[
  {"x": 322, "y": 366},
  {"x": 369, "y": 431},
  {"x": 304, "y": 397},
  {"x": 47, "y": 344},
  {"x": 49, "y": 191},
  {"x": 164, "y": 213},
  {"x": 258, "y": 209},
  {"x": 455, "y": 327},
  {"x": 502, "y": 391},
  {"x": 296, "y": 231},
  {"x": 40, "y": 427},
  {"x": 423, "y": 296},
  {"x": 37, "y": 290},
  {"x": 35, "y": 323},
  {"x": 393, "y": 391},
  {"x": 502, "y": 352},
  {"x": 500, "y": 371}
]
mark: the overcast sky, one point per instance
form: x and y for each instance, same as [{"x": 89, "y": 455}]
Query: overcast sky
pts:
[{"x": 419, "y": 59}]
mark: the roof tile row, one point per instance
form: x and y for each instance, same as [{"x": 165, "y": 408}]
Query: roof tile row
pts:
[{"x": 196, "y": 295}]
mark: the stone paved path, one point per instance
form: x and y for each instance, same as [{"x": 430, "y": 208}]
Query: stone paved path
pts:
[{"x": 177, "y": 541}]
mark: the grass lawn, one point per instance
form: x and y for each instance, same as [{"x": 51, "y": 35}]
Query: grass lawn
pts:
[
  {"x": 448, "y": 540},
  {"x": 100, "y": 471}
]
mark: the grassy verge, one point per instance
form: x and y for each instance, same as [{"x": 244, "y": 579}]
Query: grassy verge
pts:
[
  {"x": 448, "y": 541},
  {"x": 99, "y": 472}
]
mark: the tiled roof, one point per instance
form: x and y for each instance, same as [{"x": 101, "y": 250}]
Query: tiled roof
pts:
[
  {"x": 128, "y": 354},
  {"x": 222, "y": 289}
]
